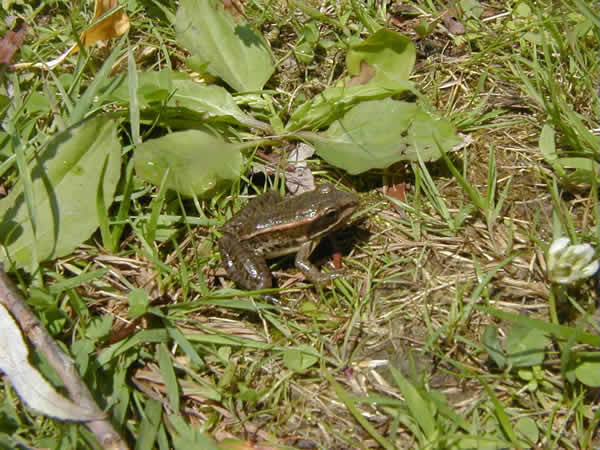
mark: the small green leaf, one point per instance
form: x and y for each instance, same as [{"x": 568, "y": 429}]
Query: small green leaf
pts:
[
  {"x": 471, "y": 8},
  {"x": 525, "y": 346},
  {"x": 582, "y": 170},
  {"x": 547, "y": 145},
  {"x": 376, "y": 134},
  {"x": 493, "y": 347},
  {"x": 233, "y": 51},
  {"x": 65, "y": 176},
  {"x": 99, "y": 327},
  {"x": 523, "y": 10},
  {"x": 198, "y": 162},
  {"x": 420, "y": 409},
  {"x": 588, "y": 372},
  {"x": 304, "y": 52},
  {"x": 299, "y": 358},
  {"x": 149, "y": 425},
  {"x": 168, "y": 374},
  {"x": 187, "y": 436},
  {"x": 138, "y": 303},
  {"x": 527, "y": 427}
]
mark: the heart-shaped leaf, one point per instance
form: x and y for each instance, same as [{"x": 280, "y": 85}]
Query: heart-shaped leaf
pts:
[
  {"x": 66, "y": 176},
  {"x": 378, "y": 133},
  {"x": 232, "y": 50},
  {"x": 198, "y": 162}
]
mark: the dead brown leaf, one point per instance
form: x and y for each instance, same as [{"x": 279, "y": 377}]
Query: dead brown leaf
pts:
[
  {"x": 452, "y": 23},
  {"x": 366, "y": 74},
  {"x": 11, "y": 41}
]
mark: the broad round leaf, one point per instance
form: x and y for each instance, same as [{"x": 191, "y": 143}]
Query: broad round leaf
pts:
[
  {"x": 588, "y": 372},
  {"x": 198, "y": 162},
  {"x": 66, "y": 176},
  {"x": 376, "y": 134},
  {"x": 525, "y": 347}
]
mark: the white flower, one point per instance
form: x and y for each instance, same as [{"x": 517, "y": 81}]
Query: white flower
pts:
[{"x": 568, "y": 263}]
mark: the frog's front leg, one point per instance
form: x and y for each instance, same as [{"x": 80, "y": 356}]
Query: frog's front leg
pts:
[
  {"x": 247, "y": 269},
  {"x": 312, "y": 273}
]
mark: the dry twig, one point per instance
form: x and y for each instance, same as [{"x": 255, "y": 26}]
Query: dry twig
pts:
[{"x": 64, "y": 366}]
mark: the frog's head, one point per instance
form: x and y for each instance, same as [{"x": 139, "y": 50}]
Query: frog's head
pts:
[{"x": 329, "y": 208}]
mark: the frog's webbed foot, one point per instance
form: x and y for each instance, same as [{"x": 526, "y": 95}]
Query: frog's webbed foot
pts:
[
  {"x": 310, "y": 270},
  {"x": 242, "y": 265}
]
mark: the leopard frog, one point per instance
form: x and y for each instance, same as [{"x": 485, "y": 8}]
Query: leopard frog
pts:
[{"x": 270, "y": 226}]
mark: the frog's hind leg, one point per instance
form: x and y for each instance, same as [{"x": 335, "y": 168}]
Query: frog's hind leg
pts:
[
  {"x": 243, "y": 266},
  {"x": 310, "y": 270}
]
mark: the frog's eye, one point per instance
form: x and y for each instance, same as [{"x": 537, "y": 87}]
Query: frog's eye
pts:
[
  {"x": 325, "y": 188},
  {"x": 328, "y": 218}
]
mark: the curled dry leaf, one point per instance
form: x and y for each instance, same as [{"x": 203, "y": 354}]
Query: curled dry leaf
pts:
[
  {"x": 452, "y": 23},
  {"x": 366, "y": 74},
  {"x": 31, "y": 387},
  {"x": 300, "y": 179}
]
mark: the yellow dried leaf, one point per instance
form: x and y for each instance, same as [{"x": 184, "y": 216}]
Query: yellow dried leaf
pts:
[{"x": 113, "y": 25}]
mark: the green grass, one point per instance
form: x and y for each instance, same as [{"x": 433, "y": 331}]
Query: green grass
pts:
[{"x": 444, "y": 333}]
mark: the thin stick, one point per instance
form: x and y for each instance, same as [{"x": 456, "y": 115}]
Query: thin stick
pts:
[{"x": 64, "y": 366}]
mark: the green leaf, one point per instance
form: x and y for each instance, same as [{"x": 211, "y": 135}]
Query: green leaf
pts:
[
  {"x": 175, "y": 94},
  {"x": 168, "y": 374},
  {"x": 186, "y": 436},
  {"x": 379, "y": 67},
  {"x": 561, "y": 331},
  {"x": 299, "y": 358},
  {"x": 65, "y": 175},
  {"x": 149, "y": 425},
  {"x": 492, "y": 346},
  {"x": 390, "y": 54},
  {"x": 588, "y": 372},
  {"x": 198, "y": 162},
  {"x": 376, "y": 134},
  {"x": 525, "y": 346},
  {"x": 99, "y": 327},
  {"x": 138, "y": 303},
  {"x": 547, "y": 145},
  {"x": 527, "y": 427},
  {"x": 501, "y": 415},
  {"x": 420, "y": 409},
  {"x": 234, "y": 52},
  {"x": 582, "y": 170}
]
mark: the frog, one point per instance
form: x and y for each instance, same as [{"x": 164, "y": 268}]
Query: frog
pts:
[{"x": 270, "y": 226}]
